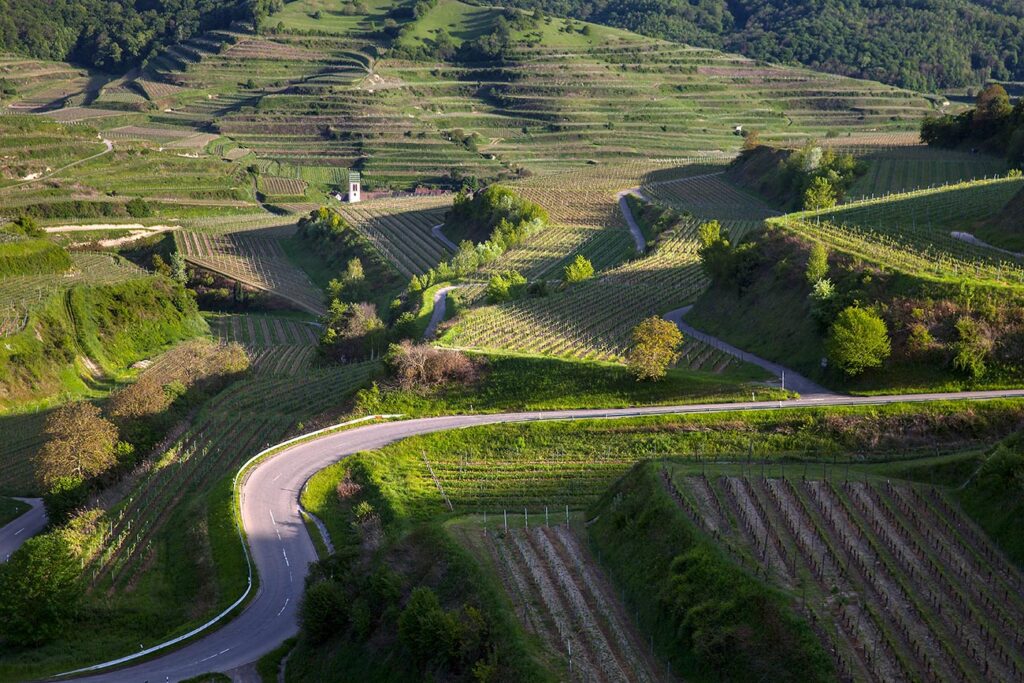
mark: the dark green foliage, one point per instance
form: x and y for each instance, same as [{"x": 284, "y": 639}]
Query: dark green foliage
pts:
[
  {"x": 713, "y": 619},
  {"x": 923, "y": 46},
  {"x": 784, "y": 177},
  {"x": 724, "y": 263},
  {"x": 505, "y": 287},
  {"x": 992, "y": 125},
  {"x": 32, "y": 257},
  {"x": 994, "y": 496},
  {"x": 39, "y": 591},
  {"x": 352, "y": 331},
  {"x": 65, "y": 496},
  {"x": 110, "y": 34},
  {"x": 322, "y": 612},
  {"x": 138, "y": 208},
  {"x": 497, "y": 214}
]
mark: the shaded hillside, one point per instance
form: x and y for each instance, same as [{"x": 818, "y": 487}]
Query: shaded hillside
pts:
[
  {"x": 924, "y": 46},
  {"x": 1006, "y": 230}
]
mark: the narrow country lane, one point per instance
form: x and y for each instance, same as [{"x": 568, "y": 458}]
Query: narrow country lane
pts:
[{"x": 23, "y": 528}]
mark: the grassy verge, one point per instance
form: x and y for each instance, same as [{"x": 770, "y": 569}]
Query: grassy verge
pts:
[
  {"x": 269, "y": 665},
  {"x": 11, "y": 509},
  {"x": 520, "y": 382}
]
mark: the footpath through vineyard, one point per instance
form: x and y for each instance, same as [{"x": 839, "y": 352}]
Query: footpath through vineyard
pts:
[
  {"x": 897, "y": 582},
  {"x": 564, "y": 598}
]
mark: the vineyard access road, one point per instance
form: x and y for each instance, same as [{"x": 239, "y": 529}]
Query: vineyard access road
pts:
[
  {"x": 23, "y": 528},
  {"x": 281, "y": 548},
  {"x": 437, "y": 315},
  {"x": 792, "y": 380}
]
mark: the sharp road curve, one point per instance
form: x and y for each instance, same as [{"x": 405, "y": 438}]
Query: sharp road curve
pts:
[{"x": 282, "y": 550}]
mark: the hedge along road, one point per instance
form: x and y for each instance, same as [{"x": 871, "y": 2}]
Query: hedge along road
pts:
[{"x": 281, "y": 548}]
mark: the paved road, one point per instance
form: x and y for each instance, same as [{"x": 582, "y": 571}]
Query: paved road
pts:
[
  {"x": 436, "y": 230},
  {"x": 437, "y": 315},
  {"x": 794, "y": 381},
  {"x": 282, "y": 549},
  {"x": 638, "y": 235},
  {"x": 23, "y": 528}
]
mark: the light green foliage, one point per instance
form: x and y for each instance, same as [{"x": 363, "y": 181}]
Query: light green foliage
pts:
[
  {"x": 819, "y": 195},
  {"x": 817, "y": 263},
  {"x": 505, "y": 287},
  {"x": 858, "y": 340},
  {"x": 655, "y": 347},
  {"x": 971, "y": 348},
  {"x": 579, "y": 270},
  {"x": 32, "y": 257}
]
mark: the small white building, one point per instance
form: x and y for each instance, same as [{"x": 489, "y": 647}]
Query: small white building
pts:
[{"x": 354, "y": 187}]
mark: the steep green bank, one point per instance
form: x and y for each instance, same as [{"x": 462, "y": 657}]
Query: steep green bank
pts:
[
  {"x": 32, "y": 257},
  {"x": 713, "y": 619},
  {"x": 111, "y": 325}
]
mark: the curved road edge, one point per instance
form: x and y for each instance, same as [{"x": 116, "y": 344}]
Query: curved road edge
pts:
[
  {"x": 20, "y": 529},
  {"x": 281, "y": 550}
]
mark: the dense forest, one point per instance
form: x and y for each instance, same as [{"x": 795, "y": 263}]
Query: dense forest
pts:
[
  {"x": 919, "y": 44},
  {"x": 993, "y": 125},
  {"x": 114, "y": 35}
]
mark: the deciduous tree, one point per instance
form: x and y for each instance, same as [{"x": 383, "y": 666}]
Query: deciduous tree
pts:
[
  {"x": 39, "y": 591},
  {"x": 655, "y": 347},
  {"x": 858, "y": 340},
  {"x": 80, "y": 443},
  {"x": 579, "y": 270}
]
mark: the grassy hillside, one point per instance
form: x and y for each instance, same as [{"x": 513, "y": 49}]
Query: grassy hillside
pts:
[
  {"x": 897, "y": 254},
  {"x": 112, "y": 325},
  {"x": 32, "y": 257}
]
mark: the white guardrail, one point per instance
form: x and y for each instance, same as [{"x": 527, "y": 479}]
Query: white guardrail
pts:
[{"x": 242, "y": 471}]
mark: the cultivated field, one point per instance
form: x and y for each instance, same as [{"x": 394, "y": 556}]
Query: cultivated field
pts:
[
  {"x": 562, "y": 597},
  {"x": 896, "y": 580},
  {"x": 401, "y": 229},
  {"x": 254, "y": 258},
  {"x": 276, "y": 346}
]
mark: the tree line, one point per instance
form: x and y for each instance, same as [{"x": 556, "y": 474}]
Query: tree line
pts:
[
  {"x": 924, "y": 46},
  {"x": 992, "y": 125},
  {"x": 113, "y": 35}
]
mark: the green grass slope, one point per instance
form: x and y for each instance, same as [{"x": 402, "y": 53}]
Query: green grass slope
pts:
[{"x": 32, "y": 257}]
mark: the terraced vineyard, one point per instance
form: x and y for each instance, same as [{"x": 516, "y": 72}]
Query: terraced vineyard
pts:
[
  {"x": 254, "y": 258},
  {"x": 925, "y": 596},
  {"x": 912, "y": 231},
  {"x": 401, "y": 229},
  {"x": 594, "y": 319},
  {"x": 564, "y": 599},
  {"x": 276, "y": 346}
]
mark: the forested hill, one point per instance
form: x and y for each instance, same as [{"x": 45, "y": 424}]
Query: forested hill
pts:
[
  {"x": 919, "y": 44},
  {"x": 114, "y": 35}
]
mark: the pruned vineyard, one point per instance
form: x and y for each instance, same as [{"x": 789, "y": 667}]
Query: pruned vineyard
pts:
[
  {"x": 245, "y": 418},
  {"x": 401, "y": 229},
  {"x": 563, "y": 598},
  {"x": 276, "y": 346},
  {"x": 895, "y": 579},
  {"x": 594, "y": 319},
  {"x": 709, "y": 196},
  {"x": 912, "y": 231},
  {"x": 254, "y": 258}
]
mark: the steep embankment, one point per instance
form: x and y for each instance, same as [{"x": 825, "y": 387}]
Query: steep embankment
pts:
[
  {"x": 32, "y": 257},
  {"x": 714, "y": 620},
  {"x": 1005, "y": 230},
  {"x": 112, "y": 325}
]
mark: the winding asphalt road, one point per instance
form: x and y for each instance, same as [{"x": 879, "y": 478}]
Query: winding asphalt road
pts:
[
  {"x": 282, "y": 550},
  {"x": 13, "y": 534},
  {"x": 437, "y": 315}
]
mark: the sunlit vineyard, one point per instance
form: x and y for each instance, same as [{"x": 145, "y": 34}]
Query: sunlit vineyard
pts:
[
  {"x": 912, "y": 231},
  {"x": 401, "y": 229},
  {"x": 254, "y": 258},
  {"x": 276, "y": 346},
  {"x": 927, "y": 595},
  {"x": 594, "y": 319}
]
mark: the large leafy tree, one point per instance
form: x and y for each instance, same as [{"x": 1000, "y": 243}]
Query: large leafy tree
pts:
[
  {"x": 80, "y": 443},
  {"x": 858, "y": 340},
  {"x": 655, "y": 347}
]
